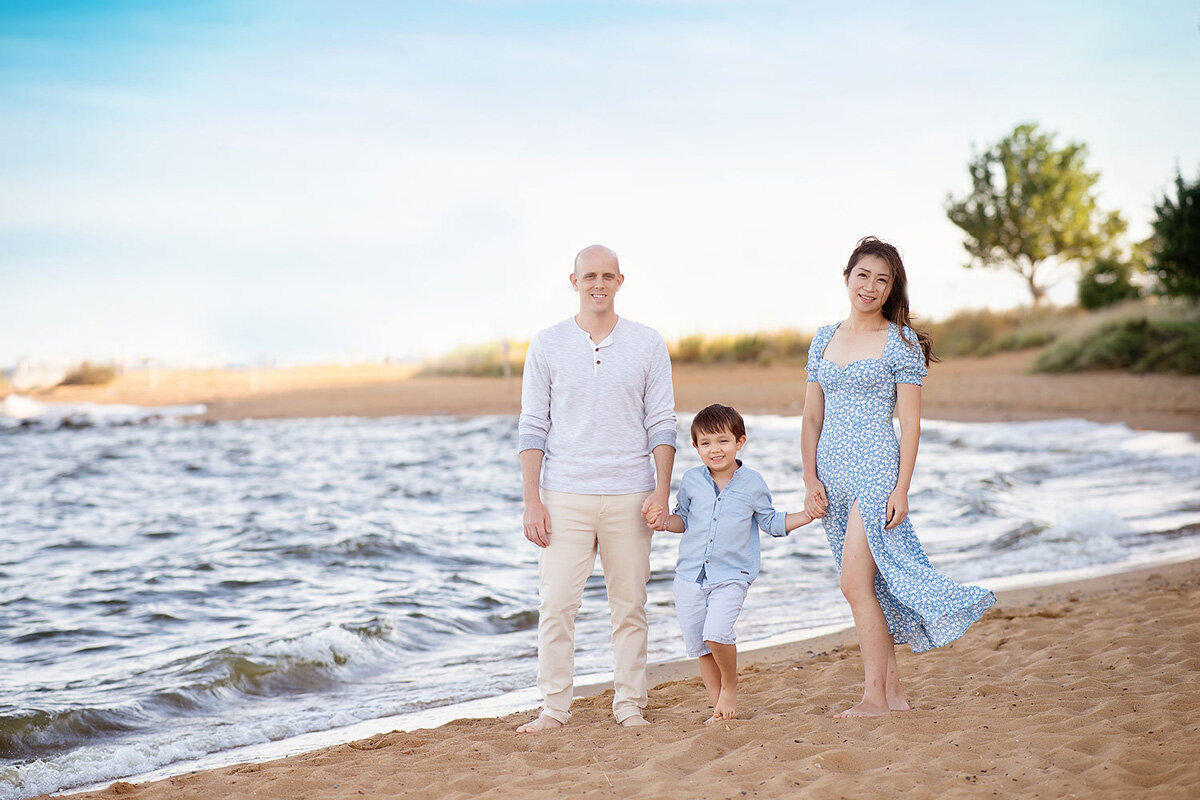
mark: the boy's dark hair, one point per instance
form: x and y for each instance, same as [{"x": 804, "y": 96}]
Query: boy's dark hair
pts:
[{"x": 717, "y": 418}]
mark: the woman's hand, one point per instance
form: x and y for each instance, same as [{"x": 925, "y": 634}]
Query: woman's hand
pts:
[
  {"x": 897, "y": 508},
  {"x": 815, "y": 500}
]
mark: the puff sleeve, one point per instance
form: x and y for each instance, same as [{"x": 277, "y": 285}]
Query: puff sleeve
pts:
[
  {"x": 907, "y": 358},
  {"x": 814, "y": 354}
]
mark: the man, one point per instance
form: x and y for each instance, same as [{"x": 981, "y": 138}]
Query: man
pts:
[{"x": 596, "y": 401}]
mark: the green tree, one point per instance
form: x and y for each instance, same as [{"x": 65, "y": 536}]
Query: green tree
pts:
[
  {"x": 1176, "y": 257},
  {"x": 1032, "y": 204}
]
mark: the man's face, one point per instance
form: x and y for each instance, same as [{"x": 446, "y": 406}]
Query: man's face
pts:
[{"x": 597, "y": 281}]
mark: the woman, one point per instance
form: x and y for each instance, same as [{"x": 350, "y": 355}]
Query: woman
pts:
[{"x": 860, "y": 370}]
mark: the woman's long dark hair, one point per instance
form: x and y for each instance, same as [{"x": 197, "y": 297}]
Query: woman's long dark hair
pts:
[{"x": 895, "y": 308}]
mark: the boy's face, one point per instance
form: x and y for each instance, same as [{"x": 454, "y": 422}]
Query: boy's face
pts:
[{"x": 718, "y": 450}]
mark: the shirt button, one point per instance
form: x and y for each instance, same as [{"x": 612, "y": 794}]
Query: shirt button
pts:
[{"x": 597, "y": 361}]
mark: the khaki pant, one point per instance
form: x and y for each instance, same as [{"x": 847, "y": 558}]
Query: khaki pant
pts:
[{"x": 580, "y": 526}]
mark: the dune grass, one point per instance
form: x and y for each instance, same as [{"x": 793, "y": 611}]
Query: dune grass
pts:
[
  {"x": 89, "y": 374},
  {"x": 1163, "y": 330},
  {"x": 479, "y": 361}
]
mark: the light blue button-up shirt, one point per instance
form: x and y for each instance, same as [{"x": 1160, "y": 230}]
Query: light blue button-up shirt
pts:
[{"x": 720, "y": 540}]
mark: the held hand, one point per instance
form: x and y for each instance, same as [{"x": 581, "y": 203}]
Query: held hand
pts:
[
  {"x": 657, "y": 498},
  {"x": 537, "y": 523},
  {"x": 897, "y": 508},
  {"x": 656, "y": 517},
  {"x": 816, "y": 502}
]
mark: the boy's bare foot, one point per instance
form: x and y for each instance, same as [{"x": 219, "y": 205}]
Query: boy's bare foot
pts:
[
  {"x": 863, "y": 709},
  {"x": 542, "y": 723},
  {"x": 726, "y": 707},
  {"x": 636, "y": 721}
]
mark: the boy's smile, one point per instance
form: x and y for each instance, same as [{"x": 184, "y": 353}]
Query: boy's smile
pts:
[{"x": 719, "y": 451}]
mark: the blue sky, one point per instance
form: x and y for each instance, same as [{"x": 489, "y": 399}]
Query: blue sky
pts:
[{"x": 314, "y": 181}]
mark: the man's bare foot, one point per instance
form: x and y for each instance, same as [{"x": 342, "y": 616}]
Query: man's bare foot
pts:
[
  {"x": 542, "y": 723},
  {"x": 636, "y": 721},
  {"x": 863, "y": 709}
]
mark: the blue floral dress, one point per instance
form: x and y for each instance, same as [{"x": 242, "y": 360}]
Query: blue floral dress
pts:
[{"x": 858, "y": 459}]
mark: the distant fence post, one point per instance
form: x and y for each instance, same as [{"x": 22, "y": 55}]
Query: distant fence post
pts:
[{"x": 504, "y": 361}]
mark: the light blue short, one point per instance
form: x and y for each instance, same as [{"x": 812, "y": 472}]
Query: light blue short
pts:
[{"x": 707, "y": 612}]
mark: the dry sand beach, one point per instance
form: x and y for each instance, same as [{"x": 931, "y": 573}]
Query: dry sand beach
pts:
[
  {"x": 996, "y": 388},
  {"x": 1085, "y": 689}
]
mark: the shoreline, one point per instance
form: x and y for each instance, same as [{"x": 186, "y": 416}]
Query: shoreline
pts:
[
  {"x": 676, "y": 695},
  {"x": 996, "y": 388}
]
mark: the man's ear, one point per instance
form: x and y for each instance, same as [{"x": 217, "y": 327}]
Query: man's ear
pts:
[{"x": 574, "y": 281}]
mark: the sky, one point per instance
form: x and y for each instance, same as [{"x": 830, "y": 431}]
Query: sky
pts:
[{"x": 287, "y": 182}]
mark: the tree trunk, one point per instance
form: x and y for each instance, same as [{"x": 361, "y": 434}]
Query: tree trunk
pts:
[{"x": 1036, "y": 289}]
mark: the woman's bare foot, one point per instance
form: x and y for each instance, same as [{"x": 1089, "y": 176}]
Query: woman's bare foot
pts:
[
  {"x": 896, "y": 700},
  {"x": 542, "y": 723},
  {"x": 864, "y": 709}
]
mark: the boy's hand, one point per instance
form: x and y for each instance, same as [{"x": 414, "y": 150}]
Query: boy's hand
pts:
[
  {"x": 816, "y": 502},
  {"x": 656, "y": 516}
]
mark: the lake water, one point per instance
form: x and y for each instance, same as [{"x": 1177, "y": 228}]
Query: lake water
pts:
[{"x": 170, "y": 591}]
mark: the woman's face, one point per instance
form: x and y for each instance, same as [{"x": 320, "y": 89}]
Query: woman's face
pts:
[{"x": 869, "y": 284}]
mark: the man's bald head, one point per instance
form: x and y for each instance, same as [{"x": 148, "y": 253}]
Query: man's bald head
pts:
[{"x": 598, "y": 258}]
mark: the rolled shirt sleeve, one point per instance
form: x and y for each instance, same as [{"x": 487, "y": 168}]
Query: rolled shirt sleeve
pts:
[
  {"x": 534, "y": 424},
  {"x": 660, "y": 398},
  {"x": 765, "y": 516}
]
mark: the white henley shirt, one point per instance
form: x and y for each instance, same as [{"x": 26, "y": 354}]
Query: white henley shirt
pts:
[{"x": 597, "y": 411}]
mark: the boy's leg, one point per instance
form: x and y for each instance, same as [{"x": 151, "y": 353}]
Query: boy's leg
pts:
[
  {"x": 724, "y": 604},
  {"x": 623, "y": 540},
  {"x": 725, "y": 656},
  {"x": 563, "y": 569},
  {"x": 690, "y": 600}
]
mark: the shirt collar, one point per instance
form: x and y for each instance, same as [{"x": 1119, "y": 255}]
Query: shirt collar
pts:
[
  {"x": 588, "y": 337},
  {"x": 732, "y": 478}
]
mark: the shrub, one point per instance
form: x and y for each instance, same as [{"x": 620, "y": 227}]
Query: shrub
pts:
[
  {"x": 89, "y": 374},
  {"x": 1140, "y": 345},
  {"x": 1107, "y": 281}
]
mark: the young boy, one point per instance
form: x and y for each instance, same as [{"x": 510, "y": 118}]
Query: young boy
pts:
[{"x": 719, "y": 509}]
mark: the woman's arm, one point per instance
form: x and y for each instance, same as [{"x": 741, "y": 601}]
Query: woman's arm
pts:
[
  {"x": 908, "y": 411},
  {"x": 815, "y": 500}
]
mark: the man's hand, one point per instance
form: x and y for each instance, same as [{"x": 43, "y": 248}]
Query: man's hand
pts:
[{"x": 537, "y": 523}]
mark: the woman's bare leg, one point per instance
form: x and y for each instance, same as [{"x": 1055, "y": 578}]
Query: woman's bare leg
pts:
[
  {"x": 858, "y": 586},
  {"x": 895, "y": 692}
]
